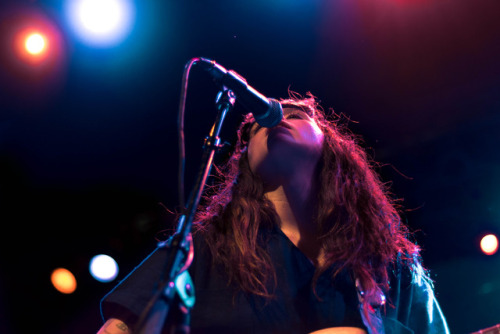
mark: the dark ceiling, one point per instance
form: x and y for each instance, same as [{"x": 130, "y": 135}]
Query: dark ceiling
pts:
[{"x": 88, "y": 148}]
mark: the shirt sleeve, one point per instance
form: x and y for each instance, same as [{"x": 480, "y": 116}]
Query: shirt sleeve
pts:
[
  {"x": 426, "y": 315},
  {"x": 412, "y": 306},
  {"x": 127, "y": 300}
]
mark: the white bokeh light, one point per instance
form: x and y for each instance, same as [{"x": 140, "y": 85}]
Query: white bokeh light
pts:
[
  {"x": 101, "y": 23},
  {"x": 489, "y": 244},
  {"x": 103, "y": 268}
]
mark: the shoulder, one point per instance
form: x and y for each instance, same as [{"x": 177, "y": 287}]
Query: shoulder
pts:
[
  {"x": 409, "y": 283},
  {"x": 412, "y": 301}
]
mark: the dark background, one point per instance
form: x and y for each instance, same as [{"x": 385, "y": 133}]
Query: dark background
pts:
[{"x": 88, "y": 145}]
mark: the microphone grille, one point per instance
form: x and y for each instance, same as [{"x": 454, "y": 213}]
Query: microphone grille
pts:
[{"x": 272, "y": 117}]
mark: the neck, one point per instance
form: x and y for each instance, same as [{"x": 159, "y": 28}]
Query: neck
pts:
[{"x": 295, "y": 205}]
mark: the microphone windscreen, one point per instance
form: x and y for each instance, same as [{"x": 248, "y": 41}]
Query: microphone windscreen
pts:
[{"x": 272, "y": 117}]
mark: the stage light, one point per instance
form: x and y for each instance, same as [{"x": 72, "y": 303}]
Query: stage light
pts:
[
  {"x": 34, "y": 40},
  {"x": 103, "y": 268},
  {"x": 411, "y": 2},
  {"x": 63, "y": 280},
  {"x": 100, "y": 23},
  {"x": 35, "y": 44},
  {"x": 489, "y": 244}
]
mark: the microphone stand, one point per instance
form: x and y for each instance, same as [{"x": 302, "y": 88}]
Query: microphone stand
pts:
[{"x": 178, "y": 246}]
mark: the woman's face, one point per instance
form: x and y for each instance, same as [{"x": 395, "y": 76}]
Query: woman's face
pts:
[{"x": 296, "y": 142}]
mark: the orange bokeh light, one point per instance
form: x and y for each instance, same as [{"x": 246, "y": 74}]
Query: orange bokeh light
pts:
[
  {"x": 34, "y": 38},
  {"x": 33, "y": 59},
  {"x": 32, "y": 46},
  {"x": 63, "y": 280},
  {"x": 35, "y": 44}
]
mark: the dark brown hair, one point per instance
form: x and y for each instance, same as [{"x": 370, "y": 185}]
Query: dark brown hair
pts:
[{"x": 359, "y": 224}]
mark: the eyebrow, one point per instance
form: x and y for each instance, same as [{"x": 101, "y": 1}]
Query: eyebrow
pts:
[
  {"x": 294, "y": 110},
  {"x": 304, "y": 108}
]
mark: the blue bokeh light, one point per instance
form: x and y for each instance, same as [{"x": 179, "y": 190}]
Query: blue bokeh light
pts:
[{"x": 101, "y": 23}]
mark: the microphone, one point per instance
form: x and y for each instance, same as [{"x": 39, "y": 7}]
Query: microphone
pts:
[{"x": 267, "y": 112}]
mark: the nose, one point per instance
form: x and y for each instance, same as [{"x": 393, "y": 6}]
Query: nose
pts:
[{"x": 284, "y": 123}]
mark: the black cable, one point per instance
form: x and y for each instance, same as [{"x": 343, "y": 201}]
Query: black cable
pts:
[{"x": 180, "y": 129}]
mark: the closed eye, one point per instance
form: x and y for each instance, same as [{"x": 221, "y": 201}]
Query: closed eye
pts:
[{"x": 294, "y": 116}]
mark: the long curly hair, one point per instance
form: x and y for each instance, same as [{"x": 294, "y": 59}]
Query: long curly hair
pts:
[{"x": 359, "y": 224}]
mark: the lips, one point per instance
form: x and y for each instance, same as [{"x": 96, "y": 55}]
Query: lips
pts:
[
  {"x": 279, "y": 129},
  {"x": 283, "y": 124}
]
